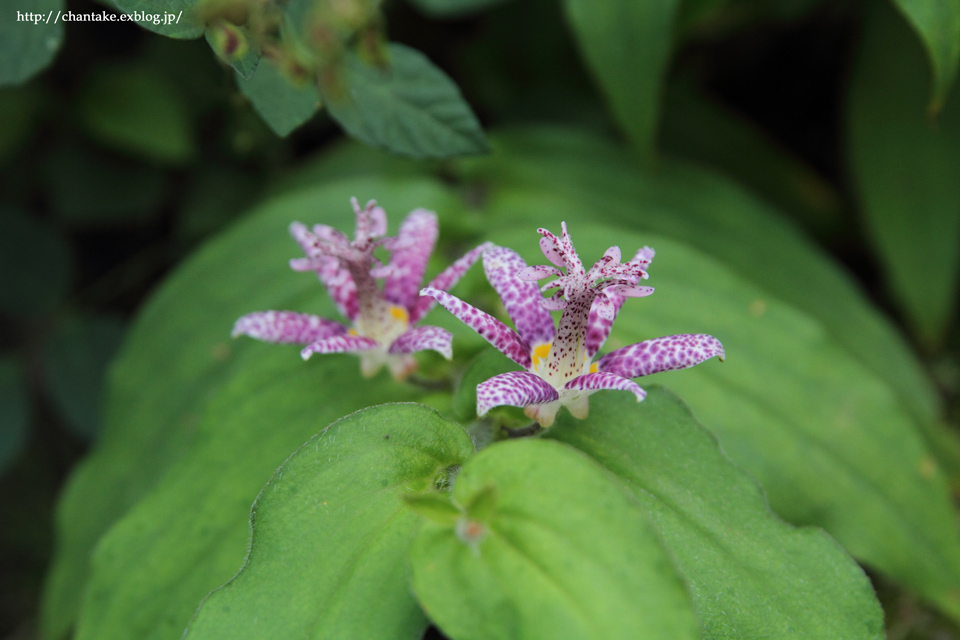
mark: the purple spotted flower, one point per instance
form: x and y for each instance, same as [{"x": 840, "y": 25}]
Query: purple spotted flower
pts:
[
  {"x": 382, "y": 319},
  {"x": 558, "y": 362}
]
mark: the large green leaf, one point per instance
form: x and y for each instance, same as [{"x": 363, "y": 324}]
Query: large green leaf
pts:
[
  {"x": 564, "y": 552},
  {"x": 177, "y": 357},
  {"x": 30, "y": 36},
  {"x": 171, "y": 18},
  {"x": 828, "y": 440},
  {"x": 331, "y": 531},
  {"x": 282, "y": 105},
  {"x": 907, "y": 167},
  {"x": 627, "y": 45},
  {"x": 708, "y": 213},
  {"x": 937, "y": 22},
  {"x": 751, "y": 575},
  {"x": 411, "y": 107}
]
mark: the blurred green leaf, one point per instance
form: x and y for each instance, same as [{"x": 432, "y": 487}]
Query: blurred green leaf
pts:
[
  {"x": 34, "y": 264},
  {"x": 751, "y": 575},
  {"x": 411, "y": 107},
  {"x": 907, "y": 168},
  {"x": 177, "y": 359},
  {"x": 627, "y": 46},
  {"x": 829, "y": 441},
  {"x": 75, "y": 362},
  {"x": 331, "y": 531},
  {"x": 30, "y": 36},
  {"x": 136, "y": 111},
  {"x": 453, "y": 8},
  {"x": 937, "y": 23},
  {"x": 86, "y": 186},
  {"x": 283, "y": 105},
  {"x": 21, "y": 108},
  {"x": 217, "y": 195},
  {"x": 247, "y": 64},
  {"x": 566, "y": 553},
  {"x": 14, "y": 411},
  {"x": 171, "y": 18}
]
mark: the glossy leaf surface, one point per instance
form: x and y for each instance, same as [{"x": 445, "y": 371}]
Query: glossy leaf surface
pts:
[{"x": 30, "y": 37}]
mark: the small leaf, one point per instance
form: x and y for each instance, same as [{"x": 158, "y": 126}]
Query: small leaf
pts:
[
  {"x": 282, "y": 105},
  {"x": 907, "y": 167},
  {"x": 566, "y": 553},
  {"x": 30, "y": 36},
  {"x": 751, "y": 575},
  {"x": 243, "y": 58},
  {"x": 136, "y": 111},
  {"x": 14, "y": 412},
  {"x": 435, "y": 507},
  {"x": 626, "y": 45},
  {"x": 330, "y": 532},
  {"x": 34, "y": 264},
  {"x": 171, "y": 18},
  {"x": 937, "y": 22},
  {"x": 411, "y": 108}
]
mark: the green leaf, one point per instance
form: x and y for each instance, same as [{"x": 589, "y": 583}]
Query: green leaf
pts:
[
  {"x": 177, "y": 359},
  {"x": 907, "y": 166},
  {"x": 75, "y": 364},
  {"x": 21, "y": 109},
  {"x": 171, "y": 18},
  {"x": 627, "y": 46},
  {"x": 136, "y": 111},
  {"x": 434, "y": 506},
  {"x": 30, "y": 36},
  {"x": 937, "y": 22},
  {"x": 566, "y": 553},
  {"x": 830, "y": 442},
  {"x": 411, "y": 108},
  {"x": 454, "y": 8},
  {"x": 282, "y": 105},
  {"x": 247, "y": 64},
  {"x": 34, "y": 264},
  {"x": 751, "y": 575},
  {"x": 14, "y": 412},
  {"x": 331, "y": 530}
]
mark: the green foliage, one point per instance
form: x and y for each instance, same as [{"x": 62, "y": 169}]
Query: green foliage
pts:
[
  {"x": 26, "y": 48},
  {"x": 330, "y": 533},
  {"x": 410, "y": 107},
  {"x": 282, "y": 105},
  {"x": 627, "y": 45},
  {"x": 159, "y": 16},
  {"x": 14, "y": 412},
  {"x": 907, "y": 165},
  {"x": 453, "y": 8},
  {"x": 937, "y": 22},
  {"x": 749, "y": 574},
  {"x": 30, "y": 246},
  {"x": 564, "y": 553}
]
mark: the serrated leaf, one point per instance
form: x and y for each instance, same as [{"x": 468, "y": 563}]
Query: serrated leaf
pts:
[
  {"x": 907, "y": 167},
  {"x": 34, "y": 264},
  {"x": 14, "y": 412},
  {"x": 937, "y": 23},
  {"x": 331, "y": 530},
  {"x": 171, "y": 18},
  {"x": 282, "y": 105},
  {"x": 30, "y": 37},
  {"x": 136, "y": 111},
  {"x": 831, "y": 443},
  {"x": 411, "y": 107},
  {"x": 751, "y": 575},
  {"x": 566, "y": 553},
  {"x": 627, "y": 45},
  {"x": 177, "y": 359}
]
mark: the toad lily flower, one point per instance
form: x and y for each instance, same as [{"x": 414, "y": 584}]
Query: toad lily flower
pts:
[
  {"x": 381, "y": 332},
  {"x": 558, "y": 363}
]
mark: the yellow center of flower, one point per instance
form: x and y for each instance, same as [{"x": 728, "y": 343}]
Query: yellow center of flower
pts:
[
  {"x": 540, "y": 354},
  {"x": 399, "y": 313}
]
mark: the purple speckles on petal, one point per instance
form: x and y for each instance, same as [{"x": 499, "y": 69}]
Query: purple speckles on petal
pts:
[
  {"x": 521, "y": 298},
  {"x": 603, "y": 380},
  {"x": 445, "y": 280},
  {"x": 410, "y": 252},
  {"x": 286, "y": 327},
  {"x": 505, "y": 339},
  {"x": 339, "y": 344},
  {"x": 422, "y": 338},
  {"x": 661, "y": 354},
  {"x": 513, "y": 389}
]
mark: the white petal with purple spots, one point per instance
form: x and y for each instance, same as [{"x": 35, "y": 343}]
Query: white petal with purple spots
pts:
[
  {"x": 445, "y": 280},
  {"x": 409, "y": 255},
  {"x": 286, "y": 327},
  {"x": 422, "y": 338},
  {"x": 521, "y": 298},
  {"x": 339, "y": 344},
  {"x": 513, "y": 389},
  {"x": 661, "y": 354},
  {"x": 604, "y": 380}
]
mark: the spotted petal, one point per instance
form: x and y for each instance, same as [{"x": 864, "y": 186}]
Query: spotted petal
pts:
[
  {"x": 286, "y": 327},
  {"x": 505, "y": 339},
  {"x": 445, "y": 280},
  {"x": 425, "y": 337},
  {"x": 603, "y": 380},
  {"x": 661, "y": 354},
  {"x": 410, "y": 252},
  {"x": 521, "y": 298},
  {"x": 339, "y": 344},
  {"x": 514, "y": 389},
  {"x": 609, "y": 304}
]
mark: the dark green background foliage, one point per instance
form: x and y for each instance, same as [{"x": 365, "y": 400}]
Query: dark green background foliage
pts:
[{"x": 795, "y": 163}]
